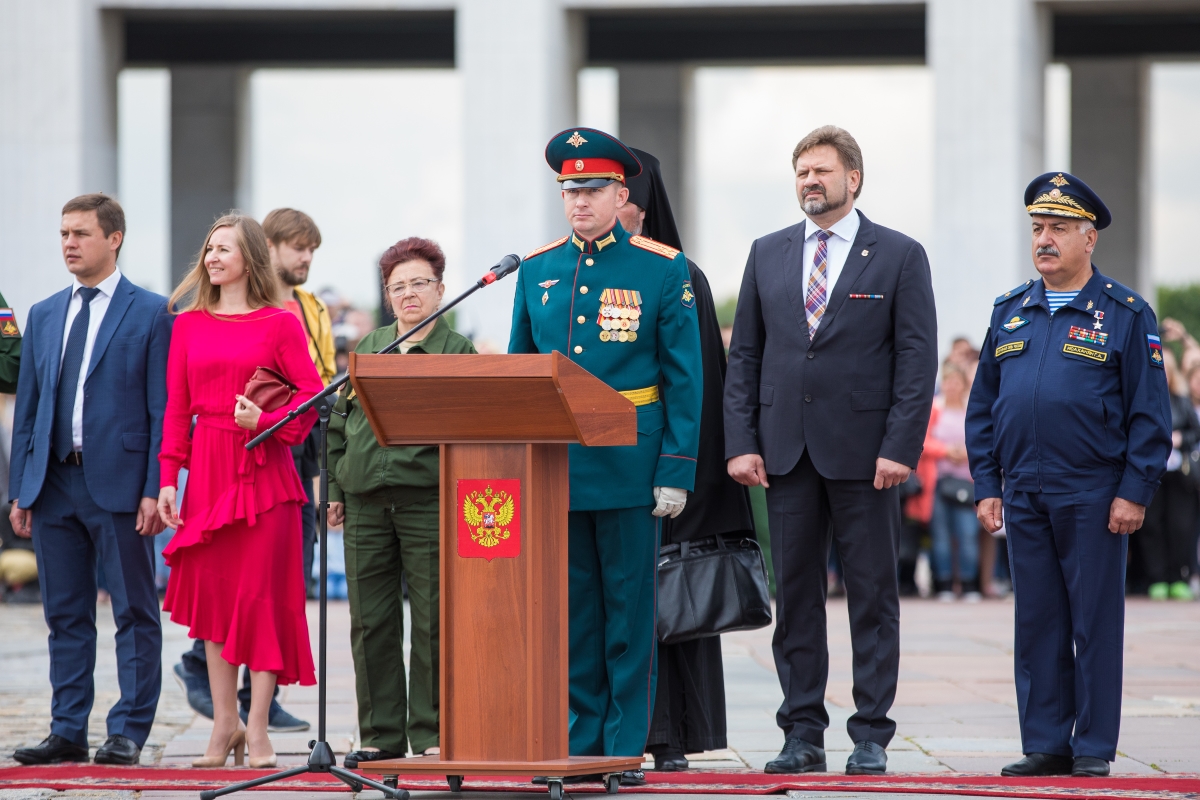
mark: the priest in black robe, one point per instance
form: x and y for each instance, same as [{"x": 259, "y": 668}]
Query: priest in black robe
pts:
[{"x": 689, "y": 706}]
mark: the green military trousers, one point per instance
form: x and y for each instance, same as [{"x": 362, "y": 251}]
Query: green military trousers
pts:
[
  {"x": 383, "y": 540},
  {"x": 612, "y": 558}
]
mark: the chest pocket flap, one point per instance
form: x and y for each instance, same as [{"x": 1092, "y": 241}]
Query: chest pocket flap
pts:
[{"x": 1011, "y": 349}]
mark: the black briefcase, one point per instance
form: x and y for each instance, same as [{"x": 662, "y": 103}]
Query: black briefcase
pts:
[{"x": 709, "y": 587}]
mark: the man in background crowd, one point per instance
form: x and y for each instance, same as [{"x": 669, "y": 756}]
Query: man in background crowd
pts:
[
  {"x": 292, "y": 237},
  {"x": 86, "y": 434}
]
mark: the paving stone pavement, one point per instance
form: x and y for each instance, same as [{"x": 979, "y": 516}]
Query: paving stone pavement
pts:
[{"x": 955, "y": 707}]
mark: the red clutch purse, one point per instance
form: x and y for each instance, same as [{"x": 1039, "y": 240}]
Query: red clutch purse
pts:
[{"x": 269, "y": 390}]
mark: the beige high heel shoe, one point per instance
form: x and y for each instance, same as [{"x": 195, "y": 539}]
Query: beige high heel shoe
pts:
[
  {"x": 237, "y": 745},
  {"x": 262, "y": 763}
]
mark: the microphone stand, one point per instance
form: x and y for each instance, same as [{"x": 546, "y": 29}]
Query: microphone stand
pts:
[{"x": 321, "y": 758}]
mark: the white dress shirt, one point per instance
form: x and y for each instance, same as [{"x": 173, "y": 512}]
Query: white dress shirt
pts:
[
  {"x": 844, "y": 231},
  {"x": 98, "y": 306}
]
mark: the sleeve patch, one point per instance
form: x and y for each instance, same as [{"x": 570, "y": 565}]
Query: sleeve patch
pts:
[
  {"x": 689, "y": 297},
  {"x": 658, "y": 248},
  {"x": 546, "y": 247},
  {"x": 1156, "y": 356},
  {"x": 8, "y": 324}
]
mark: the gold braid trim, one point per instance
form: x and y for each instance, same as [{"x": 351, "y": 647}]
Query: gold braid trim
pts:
[
  {"x": 658, "y": 248},
  {"x": 545, "y": 247}
]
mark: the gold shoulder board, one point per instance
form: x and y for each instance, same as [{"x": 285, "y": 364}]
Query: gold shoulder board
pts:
[
  {"x": 551, "y": 246},
  {"x": 658, "y": 248}
]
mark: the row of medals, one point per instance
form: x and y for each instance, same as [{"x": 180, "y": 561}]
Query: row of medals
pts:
[{"x": 619, "y": 323}]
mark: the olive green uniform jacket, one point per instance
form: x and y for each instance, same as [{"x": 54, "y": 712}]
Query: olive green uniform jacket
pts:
[
  {"x": 10, "y": 349},
  {"x": 357, "y": 464}
]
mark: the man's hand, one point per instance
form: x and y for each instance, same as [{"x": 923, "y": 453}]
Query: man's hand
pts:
[
  {"x": 1125, "y": 517},
  {"x": 166, "y": 507},
  {"x": 990, "y": 511},
  {"x": 748, "y": 470},
  {"x": 669, "y": 501},
  {"x": 22, "y": 520},
  {"x": 149, "y": 523},
  {"x": 890, "y": 473},
  {"x": 336, "y": 514}
]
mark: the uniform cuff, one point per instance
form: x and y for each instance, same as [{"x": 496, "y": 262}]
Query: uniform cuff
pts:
[
  {"x": 676, "y": 471},
  {"x": 1136, "y": 490},
  {"x": 335, "y": 493}
]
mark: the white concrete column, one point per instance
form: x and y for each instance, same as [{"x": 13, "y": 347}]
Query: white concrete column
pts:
[
  {"x": 518, "y": 60},
  {"x": 1108, "y": 151},
  {"x": 58, "y": 132},
  {"x": 988, "y": 58}
]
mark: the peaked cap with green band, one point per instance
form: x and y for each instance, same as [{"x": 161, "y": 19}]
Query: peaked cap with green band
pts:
[{"x": 586, "y": 158}]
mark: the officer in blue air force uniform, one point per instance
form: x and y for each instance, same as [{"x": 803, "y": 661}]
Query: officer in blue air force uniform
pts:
[
  {"x": 622, "y": 308},
  {"x": 1069, "y": 422}
]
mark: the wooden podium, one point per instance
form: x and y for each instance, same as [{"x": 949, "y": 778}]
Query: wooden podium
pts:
[{"x": 507, "y": 420}]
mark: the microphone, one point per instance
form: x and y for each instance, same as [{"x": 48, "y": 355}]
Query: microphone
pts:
[{"x": 505, "y": 267}]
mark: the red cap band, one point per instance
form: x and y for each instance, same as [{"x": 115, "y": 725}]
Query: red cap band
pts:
[{"x": 584, "y": 168}]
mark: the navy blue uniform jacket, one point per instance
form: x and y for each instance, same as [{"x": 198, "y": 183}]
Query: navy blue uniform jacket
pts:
[
  {"x": 1061, "y": 406},
  {"x": 124, "y": 396},
  {"x": 863, "y": 387}
]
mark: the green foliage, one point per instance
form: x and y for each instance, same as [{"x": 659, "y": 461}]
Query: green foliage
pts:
[
  {"x": 725, "y": 311},
  {"x": 1181, "y": 303}
]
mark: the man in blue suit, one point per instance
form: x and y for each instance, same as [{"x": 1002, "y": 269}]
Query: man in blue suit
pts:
[{"x": 84, "y": 482}]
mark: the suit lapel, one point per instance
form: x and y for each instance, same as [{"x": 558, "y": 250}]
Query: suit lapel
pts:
[
  {"x": 117, "y": 306},
  {"x": 57, "y": 322},
  {"x": 856, "y": 264},
  {"x": 793, "y": 274}
]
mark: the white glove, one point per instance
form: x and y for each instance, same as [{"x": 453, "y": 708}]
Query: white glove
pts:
[{"x": 670, "y": 501}]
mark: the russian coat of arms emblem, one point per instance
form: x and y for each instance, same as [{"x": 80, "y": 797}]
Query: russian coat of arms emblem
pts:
[{"x": 489, "y": 524}]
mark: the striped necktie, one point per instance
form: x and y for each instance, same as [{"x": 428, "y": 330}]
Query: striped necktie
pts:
[{"x": 816, "y": 296}]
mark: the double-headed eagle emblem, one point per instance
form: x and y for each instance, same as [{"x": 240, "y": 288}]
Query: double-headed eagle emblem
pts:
[{"x": 486, "y": 521}]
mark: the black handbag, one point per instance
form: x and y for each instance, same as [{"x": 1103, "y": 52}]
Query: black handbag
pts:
[
  {"x": 709, "y": 587},
  {"x": 956, "y": 491}
]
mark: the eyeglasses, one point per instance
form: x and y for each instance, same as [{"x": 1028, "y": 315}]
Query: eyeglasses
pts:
[{"x": 419, "y": 286}]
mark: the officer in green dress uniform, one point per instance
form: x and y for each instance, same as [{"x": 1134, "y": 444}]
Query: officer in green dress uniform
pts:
[
  {"x": 622, "y": 308},
  {"x": 10, "y": 348}
]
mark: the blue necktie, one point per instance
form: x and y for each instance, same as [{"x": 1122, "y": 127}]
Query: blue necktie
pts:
[{"x": 68, "y": 377}]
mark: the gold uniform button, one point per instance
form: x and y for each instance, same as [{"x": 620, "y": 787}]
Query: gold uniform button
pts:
[
  {"x": 581, "y": 319},
  {"x": 583, "y": 290},
  {"x": 578, "y": 349},
  {"x": 589, "y": 262}
]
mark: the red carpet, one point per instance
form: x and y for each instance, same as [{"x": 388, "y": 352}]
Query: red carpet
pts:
[{"x": 1156, "y": 787}]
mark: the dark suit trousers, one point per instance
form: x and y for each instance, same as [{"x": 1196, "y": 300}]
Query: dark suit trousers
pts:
[
  {"x": 70, "y": 534},
  {"x": 805, "y": 511}
]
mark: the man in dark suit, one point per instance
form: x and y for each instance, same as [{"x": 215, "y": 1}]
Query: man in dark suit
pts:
[
  {"x": 831, "y": 374},
  {"x": 84, "y": 482}
]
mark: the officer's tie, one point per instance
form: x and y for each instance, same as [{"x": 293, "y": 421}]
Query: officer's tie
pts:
[
  {"x": 68, "y": 376},
  {"x": 816, "y": 297}
]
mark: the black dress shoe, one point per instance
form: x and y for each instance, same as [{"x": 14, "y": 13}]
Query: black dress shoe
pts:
[
  {"x": 1089, "y": 767},
  {"x": 670, "y": 761},
  {"x": 118, "y": 749},
  {"x": 1036, "y": 765},
  {"x": 52, "y": 750},
  {"x": 352, "y": 758},
  {"x": 868, "y": 758},
  {"x": 633, "y": 777},
  {"x": 797, "y": 756}
]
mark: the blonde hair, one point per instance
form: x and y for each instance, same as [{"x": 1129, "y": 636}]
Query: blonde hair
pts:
[{"x": 196, "y": 292}]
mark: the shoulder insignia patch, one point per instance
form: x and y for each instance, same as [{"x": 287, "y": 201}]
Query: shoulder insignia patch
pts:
[
  {"x": 1124, "y": 296},
  {"x": 1156, "y": 356},
  {"x": 546, "y": 247},
  {"x": 658, "y": 248},
  {"x": 8, "y": 324},
  {"x": 1009, "y": 294},
  {"x": 689, "y": 297}
]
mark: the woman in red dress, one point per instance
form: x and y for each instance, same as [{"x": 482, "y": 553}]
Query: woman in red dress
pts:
[{"x": 235, "y": 559}]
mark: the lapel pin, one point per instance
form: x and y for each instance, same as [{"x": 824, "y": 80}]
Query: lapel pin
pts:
[{"x": 865, "y": 252}]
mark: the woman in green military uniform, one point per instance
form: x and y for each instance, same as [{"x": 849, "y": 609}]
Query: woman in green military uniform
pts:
[{"x": 387, "y": 498}]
